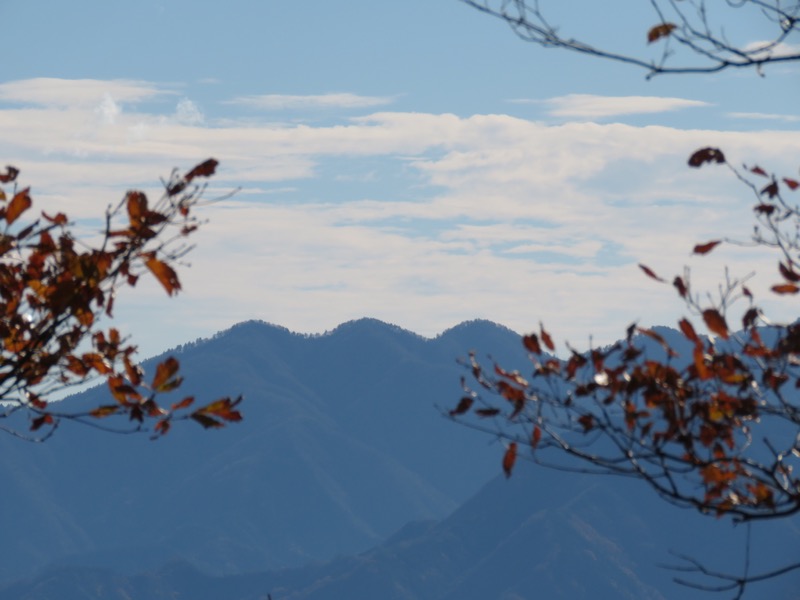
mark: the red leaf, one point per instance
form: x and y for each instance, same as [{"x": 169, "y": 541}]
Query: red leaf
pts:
[
  {"x": 707, "y": 247},
  {"x": 771, "y": 190},
  {"x": 649, "y": 272},
  {"x": 788, "y": 273},
  {"x": 716, "y": 322},
  {"x": 764, "y": 209},
  {"x": 59, "y": 219},
  {"x": 688, "y": 331},
  {"x": 759, "y": 171},
  {"x": 204, "y": 169},
  {"x": 548, "y": 341},
  {"x": 587, "y": 421},
  {"x": 531, "y": 343},
  {"x": 749, "y": 319},
  {"x": 509, "y": 458},
  {"x": 463, "y": 406},
  {"x": 659, "y": 31},
  {"x": 487, "y": 412},
  {"x": 705, "y": 155},
  {"x": 536, "y": 436},
  {"x": 680, "y": 286},
  {"x": 18, "y": 205},
  {"x": 42, "y": 420},
  {"x": 162, "y": 427},
  {"x": 792, "y": 184},
  {"x": 10, "y": 175}
]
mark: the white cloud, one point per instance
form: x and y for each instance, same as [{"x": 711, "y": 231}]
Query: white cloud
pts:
[
  {"x": 54, "y": 92},
  {"x": 108, "y": 110},
  {"x": 585, "y": 106},
  {"x": 764, "y": 116},
  {"x": 767, "y": 49},
  {"x": 187, "y": 113},
  {"x": 322, "y": 101},
  {"x": 492, "y": 216}
]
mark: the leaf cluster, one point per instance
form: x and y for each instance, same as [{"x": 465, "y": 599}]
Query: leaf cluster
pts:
[
  {"x": 57, "y": 290},
  {"x": 709, "y": 417}
]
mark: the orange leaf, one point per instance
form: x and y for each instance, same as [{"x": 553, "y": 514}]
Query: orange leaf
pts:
[
  {"x": 509, "y": 458},
  {"x": 792, "y": 184},
  {"x": 137, "y": 206},
  {"x": 700, "y": 363},
  {"x": 659, "y": 31},
  {"x": 105, "y": 411},
  {"x": 707, "y": 247},
  {"x": 165, "y": 379},
  {"x": 716, "y": 322},
  {"x": 183, "y": 403},
  {"x": 18, "y": 205},
  {"x": 222, "y": 408},
  {"x": 165, "y": 274},
  {"x": 785, "y": 288},
  {"x": 206, "y": 421}
]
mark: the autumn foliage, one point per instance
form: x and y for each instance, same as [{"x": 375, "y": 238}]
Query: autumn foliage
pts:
[
  {"x": 57, "y": 290},
  {"x": 708, "y": 415}
]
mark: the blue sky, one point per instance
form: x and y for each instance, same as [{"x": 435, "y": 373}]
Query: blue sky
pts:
[{"x": 412, "y": 161}]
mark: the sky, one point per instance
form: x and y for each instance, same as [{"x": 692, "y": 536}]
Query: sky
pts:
[{"x": 409, "y": 161}]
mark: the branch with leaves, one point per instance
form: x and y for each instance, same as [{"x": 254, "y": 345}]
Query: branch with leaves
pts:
[
  {"x": 691, "y": 31},
  {"x": 708, "y": 415},
  {"x": 55, "y": 289}
]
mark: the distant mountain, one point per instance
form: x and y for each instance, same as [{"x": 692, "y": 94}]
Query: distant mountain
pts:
[
  {"x": 343, "y": 482},
  {"x": 541, "y": 534},
  {"x": 341, "y": 445}
]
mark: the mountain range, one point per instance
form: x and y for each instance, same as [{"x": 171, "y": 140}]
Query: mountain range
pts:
[{"x": 344, "y": 480}]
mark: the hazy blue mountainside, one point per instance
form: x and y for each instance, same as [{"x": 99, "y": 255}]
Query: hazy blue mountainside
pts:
[
  {"x": 343, "y": 482},
  {"x": 341, "y": 445},
  {"x": 541, "y": 534}
]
